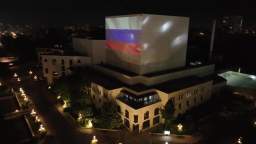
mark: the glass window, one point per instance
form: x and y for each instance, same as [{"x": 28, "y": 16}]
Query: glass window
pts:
[
  {"x": 156, "y": 111},
  {"x": 45, "y": 60},
  {"x": 146, "y": 124},
  {"x": 156, "y": 120},
  {"x": 180, "y": 106},
  {"x": 187, "y": 103},
  {"x": 118, "y": 109},
  {"x": 126, "y": 114},
  {"x": 62, "y": 61},
  {"x": 126, "y": 123},
  {"x": 78, "y": 61},
  {"x": 146, "y": 115},
  {"x": 135, "y": 118},
  {"x": 70, "y": 62}
]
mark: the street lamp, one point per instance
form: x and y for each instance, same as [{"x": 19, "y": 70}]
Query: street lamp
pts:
[
  {"x": 25, "y": 98},
  {"x": 35, "y": 77},
  {"x": 49, "y": 87},
  {"x": 15, "y": 75},
  {"x": 41, "y": 128},
  {"x": 1, "y": 84},
  {"x": 239, "y": 141},
  {"x": 58, "y": 97},
  {"x": 33, "y": 112},
  {"x": 94, "y": 140},
  {"x": 79, "y": 117},
  {"x": 180, "y": 127},
  {"x": 18, "y": 79},
  {"x": 30, "y": 72},
  {"x": 89, "y": 124},
  {"x": 37, "y": 119}
]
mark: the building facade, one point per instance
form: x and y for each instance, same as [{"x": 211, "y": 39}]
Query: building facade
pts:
[{"x": 55, "y": 66}]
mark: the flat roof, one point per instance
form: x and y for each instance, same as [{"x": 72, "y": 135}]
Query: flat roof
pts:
[
  {"x": 109, "y": 83},
  {"x": 236, "y": 79}
]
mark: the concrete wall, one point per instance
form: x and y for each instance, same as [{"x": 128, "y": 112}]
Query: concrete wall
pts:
[{"x": 92, "y": 48}]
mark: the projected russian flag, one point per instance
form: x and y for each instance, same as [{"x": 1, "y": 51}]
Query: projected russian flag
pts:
[{"x": 125, "y": 40}]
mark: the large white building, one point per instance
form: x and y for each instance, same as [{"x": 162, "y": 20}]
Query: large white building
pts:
[{"x": 146, "y": 67}]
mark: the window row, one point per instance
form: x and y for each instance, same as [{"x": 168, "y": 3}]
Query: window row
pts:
[
  {"x": 54, "y": 61},
  {"x": 135, "y": 117}
]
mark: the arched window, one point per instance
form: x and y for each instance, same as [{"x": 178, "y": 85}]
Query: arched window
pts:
[
  {"x": 126, "y": 114},
  {"x": 156, "y": 111},
  {"x": 146, "y": 115}
]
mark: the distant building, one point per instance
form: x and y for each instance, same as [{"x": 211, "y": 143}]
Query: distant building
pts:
[{"x": 56, "y": 62}]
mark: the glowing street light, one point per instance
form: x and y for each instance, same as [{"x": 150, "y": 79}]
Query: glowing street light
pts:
[
  {"x": 65, "y": 105},
  {"x": 89, "y": 124},
  {"x": 33, "y": 112},
  {"x": 25, "y": 99},
  {"x": 38, "y": 119},
  {"x": 42, "y": 128},
  {"x": 35, "y": 77},
  {"x": 180, "y": 127},
  {"x": 30, "y": 72},
  {"x": 58, "y": 97},
  {"x": 80, "y": 116},
  {"x": 49, "y": 87},
  {"x": 16, "y": 110},
  {"x": 15, "y": 75},
  {"x": 1, "y": 84},
  {"x": 239, "y": 141},
  {"x": 94, "y": 140},
  {"x": 18, "y": 79}
]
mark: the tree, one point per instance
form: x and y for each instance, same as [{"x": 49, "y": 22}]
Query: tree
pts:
[
  {"x": 109, "y": 117},
  {"x": 167, "y": 113}
]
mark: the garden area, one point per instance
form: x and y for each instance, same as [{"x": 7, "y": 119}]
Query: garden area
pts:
[{"x": 73, "y": 93}]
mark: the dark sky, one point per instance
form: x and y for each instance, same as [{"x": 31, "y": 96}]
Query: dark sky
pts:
[{"x": 94, "y": 11}]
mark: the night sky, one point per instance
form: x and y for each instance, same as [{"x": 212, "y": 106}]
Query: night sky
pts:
[{"x": 61, "y": 12}]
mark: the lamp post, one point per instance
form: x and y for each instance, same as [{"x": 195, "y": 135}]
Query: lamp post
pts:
[
  {"x": 180, "y": 127},
  {"x": 15, "y": 75},
  {"x": 30, "y": 72},
  {"x": 1, "y": 84},
  {"x": 35, "y": 77},
  {"x": 18, "y": 79}
]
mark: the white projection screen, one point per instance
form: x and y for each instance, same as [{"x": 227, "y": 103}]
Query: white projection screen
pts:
[{"x": 146, "y": 43}]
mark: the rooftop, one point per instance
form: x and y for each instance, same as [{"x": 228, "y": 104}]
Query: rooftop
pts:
[{"x": 169, "y": 86}]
